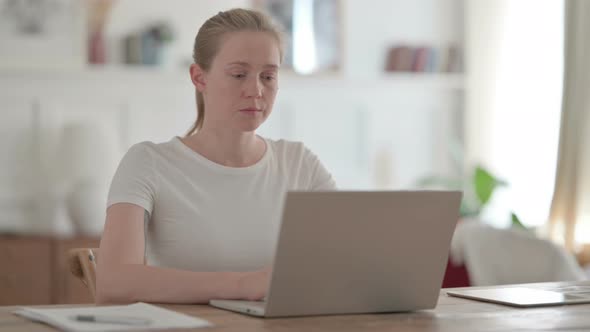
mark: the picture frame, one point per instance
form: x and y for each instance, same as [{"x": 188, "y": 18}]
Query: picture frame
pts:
[{"x": 313, "y": 33}]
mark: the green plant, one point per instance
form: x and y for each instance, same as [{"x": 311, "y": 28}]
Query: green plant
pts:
[{"x": 478, "y": 186}]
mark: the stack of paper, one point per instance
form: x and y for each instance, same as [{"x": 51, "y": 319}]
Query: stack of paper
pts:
[{"x": 138, "y": 316}]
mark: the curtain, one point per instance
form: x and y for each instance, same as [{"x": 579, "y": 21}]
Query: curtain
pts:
[{"x": 570, "y": 209}]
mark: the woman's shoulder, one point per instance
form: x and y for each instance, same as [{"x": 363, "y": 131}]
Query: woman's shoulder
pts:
[
  {"x": 290, "y": 150},
  {"x": 149, "y": 148},
  {"x": 147, "y": 154},
  {"x": 302, "y": 164},
  {"x": 283, "y": 146}
]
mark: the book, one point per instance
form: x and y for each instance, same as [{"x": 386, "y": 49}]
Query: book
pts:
[
  {"x": 420, "y": 59},
  {"x": 132, "y": 49},
  {"x": 392, "y": 59},
  {"x": 399, "y": 58},
  {"x": 137, "y": 316},
  {"x": 405, "y": 59}
]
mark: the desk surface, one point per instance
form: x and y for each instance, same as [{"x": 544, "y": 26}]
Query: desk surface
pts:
[{"x": 451, "y": 314}]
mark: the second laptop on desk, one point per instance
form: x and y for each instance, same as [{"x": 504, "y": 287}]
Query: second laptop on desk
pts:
[{"x": 358, "y": 252}]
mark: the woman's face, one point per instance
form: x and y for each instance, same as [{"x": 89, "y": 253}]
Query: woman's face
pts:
[{"x": 239, "y": 89}]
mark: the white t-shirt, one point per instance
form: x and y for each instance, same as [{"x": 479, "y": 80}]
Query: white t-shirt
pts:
[{"x": 204, "y": 216}]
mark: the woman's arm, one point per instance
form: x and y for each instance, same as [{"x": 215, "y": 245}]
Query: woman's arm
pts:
[{"x": 122, "y": 275}]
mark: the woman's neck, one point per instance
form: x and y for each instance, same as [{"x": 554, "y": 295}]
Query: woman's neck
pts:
[{"x": 227, "y": 148}]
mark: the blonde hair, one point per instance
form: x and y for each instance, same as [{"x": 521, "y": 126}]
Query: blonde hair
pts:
[{"x": 208, "y": 39}]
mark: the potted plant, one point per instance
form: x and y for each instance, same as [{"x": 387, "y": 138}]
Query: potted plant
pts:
[{"x": 478, "y": 186}]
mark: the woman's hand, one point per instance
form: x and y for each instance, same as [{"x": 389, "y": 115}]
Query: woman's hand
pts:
[{"x": 253, "y": 285}]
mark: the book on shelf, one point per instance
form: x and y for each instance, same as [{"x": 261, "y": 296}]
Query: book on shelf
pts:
[
  {"x": 420, "y": 57},
  {"x": 424, "y": 59}
]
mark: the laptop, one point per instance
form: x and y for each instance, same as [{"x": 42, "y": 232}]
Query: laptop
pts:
[
  {"x": 526, "y": 297},
  {"x": 352, "y": 252}
]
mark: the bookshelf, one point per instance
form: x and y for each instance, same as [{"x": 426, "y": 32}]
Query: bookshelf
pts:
[{"x": 131, "y": 81}]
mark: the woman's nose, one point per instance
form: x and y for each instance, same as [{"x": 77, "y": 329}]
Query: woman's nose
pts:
[{"x": 253, "y": 89}]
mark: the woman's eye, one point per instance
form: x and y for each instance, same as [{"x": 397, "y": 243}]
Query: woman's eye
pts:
[
  {"x": 239, "y": 75},
  {"x": 268, "y": 77}
]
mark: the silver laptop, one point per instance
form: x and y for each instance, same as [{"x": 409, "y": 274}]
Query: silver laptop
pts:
[{"x": 343, "y": 252}]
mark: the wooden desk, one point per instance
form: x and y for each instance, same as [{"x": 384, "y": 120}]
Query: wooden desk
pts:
[{"x": 451, "y": 314}]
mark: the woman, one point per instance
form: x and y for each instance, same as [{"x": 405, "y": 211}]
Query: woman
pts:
[{"x": 197, "y": 217}]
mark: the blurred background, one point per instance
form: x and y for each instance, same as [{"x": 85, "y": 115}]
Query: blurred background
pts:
[{"x": 391, "y": 94}]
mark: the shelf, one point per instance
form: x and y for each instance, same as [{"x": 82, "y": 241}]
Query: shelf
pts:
[
  {"x": 119, "y": 80},
  {"x": 96, "y": 72},
  {"x": 455, "y": 80}
]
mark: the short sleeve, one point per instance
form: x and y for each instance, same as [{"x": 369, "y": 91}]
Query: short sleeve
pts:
[
  {"x": 135, "y": 180},
  {"x": 320, "y": 177}
]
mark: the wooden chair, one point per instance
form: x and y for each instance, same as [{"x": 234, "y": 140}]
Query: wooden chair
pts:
[{"x": 82, "y": 263}]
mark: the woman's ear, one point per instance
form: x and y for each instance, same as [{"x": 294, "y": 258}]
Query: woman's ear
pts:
[{"x": 198, "y": 77}]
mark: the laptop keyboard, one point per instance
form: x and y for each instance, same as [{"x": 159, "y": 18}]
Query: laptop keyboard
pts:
[
  {"x": 258, "y": 304},
  {"x": 579, "y": 291}
]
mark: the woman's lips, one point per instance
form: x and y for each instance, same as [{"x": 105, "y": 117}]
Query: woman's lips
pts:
[{"x": 250, "y": 110}]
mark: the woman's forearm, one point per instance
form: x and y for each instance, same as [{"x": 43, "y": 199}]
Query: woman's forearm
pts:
[{"x": 126, "y": 283}]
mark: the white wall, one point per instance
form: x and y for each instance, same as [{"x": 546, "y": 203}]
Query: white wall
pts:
[
  {"x": 373, "y": 25},
  {"x": 368, "y": 26},
  {"x": 370, "y": 131}
]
